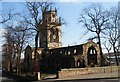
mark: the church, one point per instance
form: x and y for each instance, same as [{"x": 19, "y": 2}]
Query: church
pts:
[{"x": 52, "y": 56}]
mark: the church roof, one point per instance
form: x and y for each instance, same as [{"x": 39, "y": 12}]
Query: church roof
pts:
[
  {"x": 80, "y": 45},
  {"x": 39, "y": 50},
  {"x": 29, "y": 47}
]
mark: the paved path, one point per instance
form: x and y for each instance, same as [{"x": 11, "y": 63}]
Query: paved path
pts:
[
  {"x": 88, "y": 76},
  {"x": 4, "y": 78},
  {"x": 114, "y": 75}
]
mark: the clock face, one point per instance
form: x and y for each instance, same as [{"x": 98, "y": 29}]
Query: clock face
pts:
[{"x": 53, "y": 34}]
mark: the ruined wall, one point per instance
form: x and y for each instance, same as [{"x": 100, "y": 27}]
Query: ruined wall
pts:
[
  {"x": 85, "y": 51},
  {"x": 28, "y": 58},
  {"x": 80, "y": 71}
]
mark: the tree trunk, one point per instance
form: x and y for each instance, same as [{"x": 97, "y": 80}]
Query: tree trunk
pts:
[
  {"x": 18, "y": 65},
  {"x": 117, "y": 63},
  {"x": 36, "y": 45},
  {"x": 101, "y": 54},
  {"x": 10, "y": 65},
  {"x": 109, "y": 57}
]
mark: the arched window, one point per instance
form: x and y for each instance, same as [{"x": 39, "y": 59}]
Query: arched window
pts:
[
  {"x": 60, "y": 52},
  {"x": 94, "y": 52},
  {"x": 68, "y": 52},
  {"x": 74, "y": 51},
  {"x": 65, "y": 53},
  {"x": 92, "y": 56},
  {"x": 91, "y": 52},
  {"x": 78, "y": 63}
]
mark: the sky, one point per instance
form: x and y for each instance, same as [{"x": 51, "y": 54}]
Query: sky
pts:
[
  {"x": 70, "y": 11},
  {"x": 61, "y": 0}
]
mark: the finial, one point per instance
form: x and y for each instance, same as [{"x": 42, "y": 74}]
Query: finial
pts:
[
  {"x": 50, "y": 8},
  {"x": 45, "y": 9},
  {"x": 59, "y": 19},
  {"x": 68, "y": 45},
  {"x": 55, "y": 9}
]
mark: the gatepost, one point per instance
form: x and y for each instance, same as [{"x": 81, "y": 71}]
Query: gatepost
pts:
[{"x": 37, "y": 70}]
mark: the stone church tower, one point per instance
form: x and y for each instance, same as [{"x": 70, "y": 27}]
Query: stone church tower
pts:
[{"x": 50, "y": 30}]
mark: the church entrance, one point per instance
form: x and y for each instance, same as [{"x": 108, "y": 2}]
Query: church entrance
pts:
[{"x": 92, "y": 56}]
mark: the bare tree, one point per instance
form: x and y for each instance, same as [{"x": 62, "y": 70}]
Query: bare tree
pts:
[
  {"x": 36, "y": 9},
  {"x": 113, "y": 30},
  {"x": 7, "y": 47},
  {"x": 22, "y": 35},
  {"x": 7, "y": 50},
  {"x": 16, "y": 38},
  {"x": 7, "y": 16},
  {"x": 94, "y": 18},
  {"x": 108, "y": 48}
]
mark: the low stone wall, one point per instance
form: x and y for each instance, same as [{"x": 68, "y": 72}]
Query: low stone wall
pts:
[{"x": 80, "y": 71}]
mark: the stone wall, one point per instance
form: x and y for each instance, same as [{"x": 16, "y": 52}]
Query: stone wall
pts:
[
  {"x": 80, "y": 71},
  {"x": 85, "y": 51}
]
